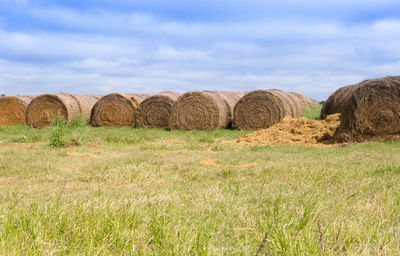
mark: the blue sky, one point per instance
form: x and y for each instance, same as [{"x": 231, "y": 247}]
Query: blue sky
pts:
[{"x": 310, "y": 46}]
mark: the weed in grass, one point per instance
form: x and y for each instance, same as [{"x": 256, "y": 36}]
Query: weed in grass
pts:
[{"x": 57, "y": 134}]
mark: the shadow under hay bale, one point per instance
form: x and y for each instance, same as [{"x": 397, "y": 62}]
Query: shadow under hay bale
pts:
[
  {"x": 13, "y": 109},
  {"x": 371, "y": 109},
  {"x": 203, "y": 110},
  {"x": 116, "y": 110},
  {"x": 261, "y": 109},
  {"x": 154, "y": 111},
  {"x": 42, "y": 109}
]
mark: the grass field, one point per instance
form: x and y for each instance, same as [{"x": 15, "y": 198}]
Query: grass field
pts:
[{"x": 126, "y": 191}]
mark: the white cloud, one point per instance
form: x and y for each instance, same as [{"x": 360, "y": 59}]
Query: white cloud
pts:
[
  {"x": 171, "y": 53},
  {"x": 104, "y": 52}
]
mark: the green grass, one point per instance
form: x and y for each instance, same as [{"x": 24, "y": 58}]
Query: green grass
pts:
[
  {"x": 313, "y": 112},
  {"x": 145, "y": 193}
]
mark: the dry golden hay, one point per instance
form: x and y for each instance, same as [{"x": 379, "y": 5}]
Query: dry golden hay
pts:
[
  {"x": 13, "y": 109},
  {"x": 44, "y": 108},
  {"x": 336, "y": 102},
  {"x": 154, "y": 111},
  {"x": 371, "y": 110},
  {"x": 297, "y": 131},
  {"x": 258, "y": 109},
  {"x": 114, "y": 110},
  {"x": 201, "y": 110}
]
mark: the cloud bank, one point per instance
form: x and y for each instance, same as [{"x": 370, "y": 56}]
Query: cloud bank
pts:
[{"x": 139, "y": 46}]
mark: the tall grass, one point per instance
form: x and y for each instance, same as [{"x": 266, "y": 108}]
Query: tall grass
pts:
[
  {"x": 151, "y": 196},
  {"x": 313, "y": 112},
  {"x": 57, "y": 134},
  {"x": 63, "y": 132}
]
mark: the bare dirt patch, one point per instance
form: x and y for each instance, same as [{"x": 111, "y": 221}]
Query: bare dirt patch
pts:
[
  {"x": 24, "y": 145},
  {"x": 73, "y": 153},
  {"x": 211, "y": 163}
]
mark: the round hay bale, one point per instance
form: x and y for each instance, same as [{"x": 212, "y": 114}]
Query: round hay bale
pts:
[
  {"x": 306, "y": 102},
  {"x": 288, "y": 104},
  {"x": 258, "y": 109},
  {"x": 297, "y": 104},
  {"x": 114, "y": 109},
  {"x": 372, "y": 109},
  {"x": 42, "y": 109},
  {"x": 154, "y": 111},
  {"x": 302, "y": 101},
  {"x": 335, "y": 102},
  {"x": 13, "y": 109},
  {"x": 203, "y": 110}
]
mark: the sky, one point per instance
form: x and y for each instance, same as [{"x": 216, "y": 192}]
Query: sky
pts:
[{"x": 146, "y": 46}]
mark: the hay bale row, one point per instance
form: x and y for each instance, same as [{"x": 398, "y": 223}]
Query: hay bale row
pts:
[
  {"x": 200, "y": 110},
  {"x": 203, "y": 110},
  {"x": 368, "y": 109},
  {"x": 13, "y": 109},
  {"x": 42, "y": 109},
  {"x": 116, "y": 110},
  {"x": 261, "y": 109}
]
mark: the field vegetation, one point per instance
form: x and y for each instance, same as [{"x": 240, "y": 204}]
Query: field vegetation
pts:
[{"x": 71, "y": 189}]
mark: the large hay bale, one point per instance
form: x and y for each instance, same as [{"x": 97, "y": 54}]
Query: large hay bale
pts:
[
  {"x": 114, "y": 109},
  {"x": 259, "y": 109},
  {"x": 13, "y": 109},
  {"x": 289, "y": 104},
  {"x": 335, "y": 102},
  {"x": 305, "y": 101},
  {"x": 372, "y": 109},
  {"x": 298, "y": 104},
  {"x": 154, "y": 111},
  {"x": 201, "y": 110},
  {"x": 42, "y": 109}
]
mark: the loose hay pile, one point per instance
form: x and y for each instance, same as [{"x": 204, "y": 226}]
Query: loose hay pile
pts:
[
  {"x": 205, "y": 110},
  {"x": 13, "y": 109},
  {"x": 116, "y": 110},
  {"x": 44, "y": 108},
  {"x": 297, "y": 131},
  {"x": 154, "y": 111},
  {"x": 261, "y": 109}
]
